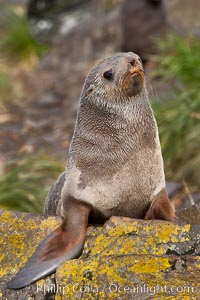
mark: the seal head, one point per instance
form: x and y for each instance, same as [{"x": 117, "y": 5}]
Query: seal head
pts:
[{"x": 121, "y": 76}]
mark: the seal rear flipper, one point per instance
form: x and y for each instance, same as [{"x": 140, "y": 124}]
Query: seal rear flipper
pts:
[
  {"x": 161, "y": 209},
  {"x": 66, "y": 242}
]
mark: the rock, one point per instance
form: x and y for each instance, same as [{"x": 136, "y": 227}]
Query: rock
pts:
[
  {"x": 46, "y": 17},
  {"x": 141, "y": 22},
  {"x": 98, "y": 36},
  {"x": 50, "y": 99},
  {"x": 124, "y": 259},
  {"x": 44, "y": 8},
  {"x": 191, "y": 214},
  {"x": 19, "y": 234},
  {"x": 183, "y": 15},
  {"x": 173, "y": 188}
]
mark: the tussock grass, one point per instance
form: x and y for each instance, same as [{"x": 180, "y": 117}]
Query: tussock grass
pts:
[
  {"x": 16, "y": 42},
  {"x": 178, "y": 117},
  {"x": 26, "y": 182}
]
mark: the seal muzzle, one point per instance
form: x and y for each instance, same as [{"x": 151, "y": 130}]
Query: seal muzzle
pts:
[{"x": 134, "y": 81}]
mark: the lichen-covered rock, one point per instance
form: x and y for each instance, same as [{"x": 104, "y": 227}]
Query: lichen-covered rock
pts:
[
  {"x": 135, "y": 259},
  {"x": 20, "y": 233},
  {"x": 124, "y": 259}
]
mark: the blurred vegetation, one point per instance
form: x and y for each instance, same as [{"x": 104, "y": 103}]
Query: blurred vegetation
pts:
[
  {"x": 178, "y": 116},
  {"x": 26, "y": 182},
  {"x": 17, "y": 48},
  {"x": 16, "y": 42}
]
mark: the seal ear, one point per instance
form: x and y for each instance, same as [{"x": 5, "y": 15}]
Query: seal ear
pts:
[
  {"x": 161, "y": 209},
  {"x": 66, "y": 242}
]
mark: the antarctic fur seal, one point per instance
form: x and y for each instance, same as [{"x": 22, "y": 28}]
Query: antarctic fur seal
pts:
[{"x": 115, "y": 165}]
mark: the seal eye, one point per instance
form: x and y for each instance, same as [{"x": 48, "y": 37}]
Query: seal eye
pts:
[{"x": 108, "y": 74}]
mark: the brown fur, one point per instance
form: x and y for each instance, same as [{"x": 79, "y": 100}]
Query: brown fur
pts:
[
  {"x": 115, "y": 161},
  {"x": 115, "y": 165},
  {"x": 70, "y": 233},
  {"x": 160, "y": 208}
]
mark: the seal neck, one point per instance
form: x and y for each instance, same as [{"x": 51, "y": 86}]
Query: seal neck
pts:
[{"x": 130, "y": 109}]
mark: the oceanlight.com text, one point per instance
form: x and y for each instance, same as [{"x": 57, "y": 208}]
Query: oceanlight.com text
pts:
[{"x": 115, "y": 288}]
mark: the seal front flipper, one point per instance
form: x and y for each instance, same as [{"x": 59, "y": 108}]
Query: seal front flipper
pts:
[
  {"x": 160, "y": 208},
  {"x": 66, "y": 242}
]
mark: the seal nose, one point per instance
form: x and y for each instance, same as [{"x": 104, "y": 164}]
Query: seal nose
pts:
[{"x": 132, "y": 61}]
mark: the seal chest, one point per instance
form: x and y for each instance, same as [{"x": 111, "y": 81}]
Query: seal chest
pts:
[{"x": 115, "y": 165}]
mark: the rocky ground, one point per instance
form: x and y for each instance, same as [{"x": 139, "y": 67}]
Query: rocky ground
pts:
[{"x": 124, "y": 259}]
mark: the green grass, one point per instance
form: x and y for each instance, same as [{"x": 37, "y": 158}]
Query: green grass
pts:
[
  {"x": 4, "y": 84},
  {"x": 179, "y": 117},
  {"x": 18, "y": 48},
  {"x": 26, "y": 182},
  {"x": 16, "y": 42}
]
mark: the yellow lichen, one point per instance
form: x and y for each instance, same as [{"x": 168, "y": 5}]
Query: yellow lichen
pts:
[
  {"x": 149, "y": 265},
  {"x": 124, "y": 252},
  {"x": 122, "y": 226},
  {"x": 20, "y": 236}
]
